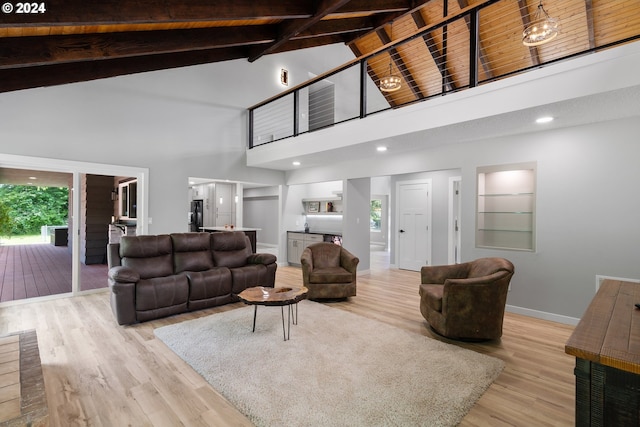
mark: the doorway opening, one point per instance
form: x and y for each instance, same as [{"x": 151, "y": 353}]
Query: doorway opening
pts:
[{"x": 69, "y": 255}]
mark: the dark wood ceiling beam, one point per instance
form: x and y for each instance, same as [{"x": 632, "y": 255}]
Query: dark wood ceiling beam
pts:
[
  {"x": 375, "y": 6},
  {"x": 73, "y": 72},
  {"x": 484, "y": 61},
  {"x": 104, "y": 12},
  {"x": 310, "y": 42},
  {"x": 588, "y": 5},
  {"x": 385, "y": 17},
  {"x": 23, "y": 51},
  {"x": 526, "y": 20},
  {"x": 337, "y": 26},
  {"x": 436, "y": 54},
  {"x": 292, "y": 28},
  {"x": 402, "y": 67}
]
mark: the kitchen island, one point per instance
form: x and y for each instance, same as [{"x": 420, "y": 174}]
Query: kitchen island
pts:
[{"x": 250, "y": 232}]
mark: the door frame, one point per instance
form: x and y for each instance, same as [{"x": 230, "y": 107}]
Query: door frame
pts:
[
  {"x": 77, "y": 168},
  {"x": 396, "y": 222},
  {"x": 455, "y": 240}
]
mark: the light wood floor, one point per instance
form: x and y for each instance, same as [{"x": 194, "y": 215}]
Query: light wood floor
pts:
[{"x": 100, "y": 374}]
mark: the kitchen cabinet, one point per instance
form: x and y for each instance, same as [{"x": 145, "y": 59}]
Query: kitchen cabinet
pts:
[
  {"x": 224, "y": 203},
  {"x": 296, "y": 242}
]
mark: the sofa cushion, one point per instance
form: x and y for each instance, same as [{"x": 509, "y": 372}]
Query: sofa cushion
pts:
[
  {"x": 150, "y": 256},
  {"x": 230, "y": 249},
  {"x": 330, "y": 274},
  {"x": 162, "y": 292},
  {"x": 204, "y": 285},
  {"x": 191, "y": 252},
  {"x": 326, "y": 256},
  {"x": 249, "y": 276},
  {"x": 432, "y": 296}
]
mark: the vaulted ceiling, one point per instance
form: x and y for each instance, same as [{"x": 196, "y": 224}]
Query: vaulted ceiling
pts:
[
  {"x": 77, "y": 40},
  {"x": 64, "y": 41}
]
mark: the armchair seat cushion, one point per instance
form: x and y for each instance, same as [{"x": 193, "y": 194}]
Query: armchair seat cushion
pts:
[
  {"x": 330, "y": 275},
  {"x": 431, "y": 295}
]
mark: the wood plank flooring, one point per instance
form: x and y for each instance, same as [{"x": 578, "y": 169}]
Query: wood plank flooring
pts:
[
  {"x": 100, "y": 374},
  {"x": 36, "y": 270}
]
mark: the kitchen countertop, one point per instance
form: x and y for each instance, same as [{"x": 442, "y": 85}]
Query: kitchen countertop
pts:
[
  {"x": 229, "y": 229},
  {"x": 332, "y": 233}
]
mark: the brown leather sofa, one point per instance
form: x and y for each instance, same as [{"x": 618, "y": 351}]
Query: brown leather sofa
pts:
[
  {"x": 328, "y": 271},
  {"x": 160, "y": 275},
  {"x": 466, "y": 301}
]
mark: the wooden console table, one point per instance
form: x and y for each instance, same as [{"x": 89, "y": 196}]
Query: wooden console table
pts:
[{"x": 606, "y": 344}]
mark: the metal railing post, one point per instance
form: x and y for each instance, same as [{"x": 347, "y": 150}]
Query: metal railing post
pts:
[
  {"x": 363, "y": 88},
  {"x": 474, "y": 40},
  {"x": 296, "y": 111}
]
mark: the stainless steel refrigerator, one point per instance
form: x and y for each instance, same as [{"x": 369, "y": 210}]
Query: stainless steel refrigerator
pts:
[{"x": 195, "y": 216}]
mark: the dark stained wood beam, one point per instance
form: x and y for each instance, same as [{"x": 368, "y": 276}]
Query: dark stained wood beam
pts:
[
  {"x": 337, "y": 26},
  {"x": 526, "y": 20},
  {"x": 375, "y": 6},
  {"x": 28, "y": 51},
  {"x": 305, "y": 43},
  {"x": 436, "y": 54},
  {"x": 402, "y": 67},
  {"x": 588, "y": 5},
  {"x": 292, "y": 28},
  {"x": 105, "y": 12},
  {"x": 72, "y": 72}
]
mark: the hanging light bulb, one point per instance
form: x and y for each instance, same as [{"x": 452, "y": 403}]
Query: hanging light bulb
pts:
[
  {"x": 390, "y": 83},
  {"x": 541, "y": 30}
]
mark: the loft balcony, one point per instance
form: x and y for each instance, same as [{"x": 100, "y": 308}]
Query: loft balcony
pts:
[{"x": 473, "y": 50}]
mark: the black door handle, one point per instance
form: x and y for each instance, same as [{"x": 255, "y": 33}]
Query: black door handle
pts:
[{"x": 402, "y": 231}]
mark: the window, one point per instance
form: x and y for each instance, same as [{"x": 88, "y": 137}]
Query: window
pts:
[{"x": 376, "y": 214}]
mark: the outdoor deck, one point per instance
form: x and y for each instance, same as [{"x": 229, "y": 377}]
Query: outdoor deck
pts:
[{"x": 35, "y": 270}]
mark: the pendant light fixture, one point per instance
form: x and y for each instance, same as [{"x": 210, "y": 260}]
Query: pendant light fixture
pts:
[
  {"x": 390, "y": 83},
  {"x": 541, "y": 30}
]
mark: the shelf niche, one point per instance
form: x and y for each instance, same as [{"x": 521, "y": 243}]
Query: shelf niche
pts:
[{"x": 506, "y": 208}]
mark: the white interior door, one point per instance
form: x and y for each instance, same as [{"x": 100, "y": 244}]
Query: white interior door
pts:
[{"x": 414, "y": 224}]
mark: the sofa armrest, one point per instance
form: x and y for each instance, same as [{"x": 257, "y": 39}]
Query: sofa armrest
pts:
[
  {"x": 306, "y": 261},
  {"x": 437, "y": 274},
  {"x": 265, "y": 259},
  {"x": 123, "y": 300},
  {"x": 123, "y": 274},
  {"x": 348, "y": 261}
]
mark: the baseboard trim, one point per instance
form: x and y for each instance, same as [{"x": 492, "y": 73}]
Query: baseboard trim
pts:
[{"x": 543, "y": 315}]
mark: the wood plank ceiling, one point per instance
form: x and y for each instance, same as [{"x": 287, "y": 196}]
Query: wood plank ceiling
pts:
[{"x": 77, "y": 40}]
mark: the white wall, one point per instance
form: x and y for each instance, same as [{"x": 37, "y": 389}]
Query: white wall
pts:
[
  {"x": 177, "y": 123},
  {"x": 355, "y": 235}
]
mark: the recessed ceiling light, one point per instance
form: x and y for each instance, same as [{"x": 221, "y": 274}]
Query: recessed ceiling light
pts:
[
  {"x": 381, "y": 148},
  {"x": 546, "y": 119},
  {"x": 296, "y": 163}
]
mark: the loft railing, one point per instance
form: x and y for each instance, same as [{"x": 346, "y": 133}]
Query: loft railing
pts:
[{"x": 479, "y": 44}]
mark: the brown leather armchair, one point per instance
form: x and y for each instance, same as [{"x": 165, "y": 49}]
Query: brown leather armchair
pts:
[
  {"x": 328, "y": 271},
  {"x": 466, "y": 301}
]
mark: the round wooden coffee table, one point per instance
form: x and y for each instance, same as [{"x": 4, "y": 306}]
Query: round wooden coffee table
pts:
[{"x": 280, "y": 296}]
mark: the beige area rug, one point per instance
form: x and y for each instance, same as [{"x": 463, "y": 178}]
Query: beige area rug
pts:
[{"x": 338, "y": 368}]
